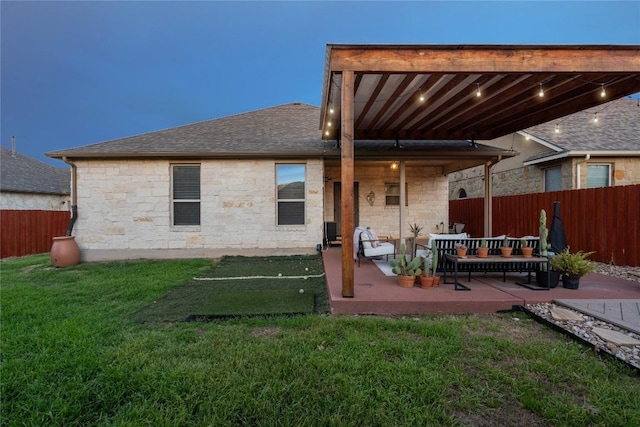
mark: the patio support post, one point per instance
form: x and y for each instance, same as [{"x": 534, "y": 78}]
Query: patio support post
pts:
[
  {"x": 488, "y": 201},
  {"x": 403, "y": 198},
  {"x": 346, "y": 178}
]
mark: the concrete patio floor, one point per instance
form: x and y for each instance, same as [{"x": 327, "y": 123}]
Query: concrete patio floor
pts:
[{"x": 376, "y": 293}]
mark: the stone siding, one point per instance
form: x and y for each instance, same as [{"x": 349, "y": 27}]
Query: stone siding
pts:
[
  {"x": 36, "y": 202},
  {"x": 428, "y": 203},
  {"x": 124, "y": 208}
]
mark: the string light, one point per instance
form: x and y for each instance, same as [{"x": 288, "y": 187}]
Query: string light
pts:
[
  {"x": 421, "y": 98},
  {"x": 541, "y": 93},
  {"x": 331, "y": 110},
  {"x": 329, "y": 124},
  {"x": 603, "y": 92},
  {"x": 595, "y": 117},
  {"x": 326, "y": 132},
  {"x": 558, "y": 128},
  {"x": 478, "y": 93}
]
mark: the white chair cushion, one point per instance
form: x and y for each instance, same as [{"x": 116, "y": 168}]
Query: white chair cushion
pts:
[{"x": 384, "y": 248}]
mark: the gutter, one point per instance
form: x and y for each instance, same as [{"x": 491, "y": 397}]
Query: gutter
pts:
[{"x": 74, "y": 194}]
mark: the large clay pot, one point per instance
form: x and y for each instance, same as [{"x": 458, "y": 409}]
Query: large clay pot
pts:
[
  {"x": 65, "y": 252},
  {"x": 426, "y": 282},
  {"x": 506, "y": 251},
  {"x": 407, "y": 281},
  {"x": 527, "y": 252}
]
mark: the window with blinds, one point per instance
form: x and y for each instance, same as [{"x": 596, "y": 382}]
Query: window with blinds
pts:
[
  {"x": 598, "y": 176},
  {"x": 290, "y": 182},
  {"x": 186, "y": 194}
]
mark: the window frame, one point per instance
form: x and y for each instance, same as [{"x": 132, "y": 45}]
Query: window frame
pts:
[
  {"x": 174, "y": 200},
  {"x": 278, "y": 200}
]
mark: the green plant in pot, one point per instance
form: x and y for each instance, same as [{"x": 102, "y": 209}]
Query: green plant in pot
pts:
[
  {"x": 572, "y": 266},
  {"x": 426, "y": 279},
  {"x": 407, "y": 269},
  {"x": 553, "y": 277},
  {"x": 483, "y": 249},
  {"x": 506, "y": 248},
  {"x": 527, "y": 251}
]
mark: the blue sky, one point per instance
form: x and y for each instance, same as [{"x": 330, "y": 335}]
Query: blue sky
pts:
[{"x": 77, "y": 73}]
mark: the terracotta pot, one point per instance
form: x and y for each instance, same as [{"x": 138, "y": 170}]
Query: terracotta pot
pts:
[
  {"x": 407, "y": 281},
  {"x": 65, "y": 252},
  {"x": 506, "y": 251},
  {"x": 436, "y": 281},
  {"x": 483, "y": 252},
  {"x": 426, "y": 282},
  {"x": 461, "y": 253},
  {"x": 527, "y": 252}
]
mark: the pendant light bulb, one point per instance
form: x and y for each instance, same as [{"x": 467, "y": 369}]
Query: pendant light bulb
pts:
[
  {"x": 557, "y": 128},
  {"x": 421, "y": 97},
  {"x": 595, "y": 117},
  {"x": 331, "y": 110},
  {"x": 541, "y": 93},
  {"x": 478, "y": 93},
  {"x": 603, "y": 92}
]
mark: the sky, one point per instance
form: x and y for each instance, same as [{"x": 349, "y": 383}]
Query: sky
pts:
[{"x": 81, "y": 72}]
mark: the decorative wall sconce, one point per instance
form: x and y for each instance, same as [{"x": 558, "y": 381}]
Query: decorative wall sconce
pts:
[
  {"x": 394, "y": 165},
  {"x": 371, "y": 198}
]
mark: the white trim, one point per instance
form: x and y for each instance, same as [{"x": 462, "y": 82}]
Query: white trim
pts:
[
  {"x": 582, "y": 153},
  {"x": 539, "y": 140}
]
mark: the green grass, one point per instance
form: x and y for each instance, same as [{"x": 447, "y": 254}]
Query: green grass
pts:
[{"x": 72, "y": 355}]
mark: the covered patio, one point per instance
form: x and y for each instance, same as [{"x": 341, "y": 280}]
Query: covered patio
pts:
[{"x": 455, "y": 92}]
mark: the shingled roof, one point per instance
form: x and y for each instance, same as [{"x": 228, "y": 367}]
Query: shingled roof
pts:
[
  {"x": 23, "y": 174},
  {"x": 290, "y": 129},
  {"x": 616, "y": 130}
]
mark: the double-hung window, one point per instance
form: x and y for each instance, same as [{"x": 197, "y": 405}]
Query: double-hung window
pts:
[
  {"x": 185, "y": 194},
  {"x": 290, "y": 181}
]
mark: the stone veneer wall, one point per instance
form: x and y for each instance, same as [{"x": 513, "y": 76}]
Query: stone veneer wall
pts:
[
  {"x": 428, "y": 202},
  {"x": 124, "y": 210},
  {"x": 30, "y": 201}
]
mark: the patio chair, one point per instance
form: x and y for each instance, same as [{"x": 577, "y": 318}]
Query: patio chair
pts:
[{"x": 370, "y": 246}]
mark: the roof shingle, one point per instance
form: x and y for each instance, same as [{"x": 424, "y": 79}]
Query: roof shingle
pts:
[{"x": 19, "y": 173}]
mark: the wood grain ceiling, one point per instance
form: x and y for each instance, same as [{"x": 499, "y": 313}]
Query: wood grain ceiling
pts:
[{"x": 392, "y": 80}]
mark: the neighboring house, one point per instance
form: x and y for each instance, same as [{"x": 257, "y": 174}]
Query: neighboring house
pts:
[
  {"x": 263, "y": 181},
  {"x": 592, "y": 148},
  {"x": 28, "y": 184}
]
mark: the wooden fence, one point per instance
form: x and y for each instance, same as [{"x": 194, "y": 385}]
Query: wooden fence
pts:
[
  {"x": 605, "y": 220},
  {"x": 30, "y": 232}
]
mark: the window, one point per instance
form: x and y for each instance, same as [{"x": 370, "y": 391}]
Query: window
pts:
[
  {"x": 462, "y": 193},
  {"x": 290, "y": 180},
  {"x": 553, "y": 179},
  {"x": 392, "y": 194},
  {"x": 186, "y": 194},
  {"x": 598, "y": 176}
]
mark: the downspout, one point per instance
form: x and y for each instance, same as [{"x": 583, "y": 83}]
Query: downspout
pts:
[
  {"x": 578, "y": 163},
  {"x": 74, "y": 195}
]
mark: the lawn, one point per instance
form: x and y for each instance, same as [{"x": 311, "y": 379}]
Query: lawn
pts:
[{"x": 74, "y": 354}]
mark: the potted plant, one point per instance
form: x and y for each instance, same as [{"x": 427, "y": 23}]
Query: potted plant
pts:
[
  {"x": 572, "y": 266},
  {"x": 461, "y": 250},
  {"x": 426, "y": 279},
  {"x": 406, "y": 269},
  {"x": 483, "y": 250},
  {"x": 527, "y": 251},
  {"x": 506, "y": 248},
  {"x": 551, "y": 280}
]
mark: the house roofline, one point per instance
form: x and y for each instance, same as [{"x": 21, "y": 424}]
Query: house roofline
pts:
[
  {"x": 582, "y": 153},
  {"x": 539, "y": 140}
]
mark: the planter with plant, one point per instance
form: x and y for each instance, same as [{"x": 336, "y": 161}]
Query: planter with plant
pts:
[
  {"x": 572, "y": 266},
  {"x": 527, "y": 251},
  {"x": 483, "y": 249},
  {"x": 406, "y": 269},
  {"x": 551, "y": 279},
  {"x": 461, "y": 250},
  {"x": 426, "y": 279},
  {"x": 506, "y": 248}
]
